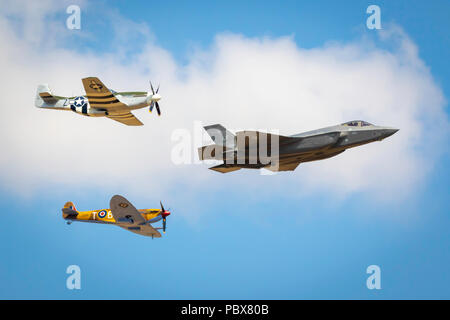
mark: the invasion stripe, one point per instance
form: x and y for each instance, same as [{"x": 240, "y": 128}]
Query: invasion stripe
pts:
[
  {"x": 122, "y": 119},
  {"x": 100, "y": 97},
  {"x": 109, "y": 100},
  {"x": 107, "y": 107},
  {"x": 120, "y": 114},
  {"x": 126, "y": 117},
  {"x": 104, "y": 102},
  {"x": 105, "y": 99}
]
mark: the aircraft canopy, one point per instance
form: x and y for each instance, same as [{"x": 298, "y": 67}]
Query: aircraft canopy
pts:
[{"x": 357, "y": 123}]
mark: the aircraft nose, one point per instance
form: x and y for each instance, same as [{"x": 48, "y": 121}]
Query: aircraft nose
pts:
[
  {"x": 389, "y": 132},
  {"x": 166, "y": 213}
]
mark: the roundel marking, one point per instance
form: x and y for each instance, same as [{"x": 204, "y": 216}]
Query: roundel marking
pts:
[
  {"x": 79, "y": 104},
  {"x": 78, "y": 101},
  {"x": 102, "y": 214}
]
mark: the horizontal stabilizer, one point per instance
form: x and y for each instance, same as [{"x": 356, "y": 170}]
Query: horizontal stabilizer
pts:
[
  {"x": 212, "y": 152},
  {"x": 44, "y": 97},
  {"x": 48, "y": 98},
  {"x": 223, "y": 168},
  {"x": 69, "y": 212}
]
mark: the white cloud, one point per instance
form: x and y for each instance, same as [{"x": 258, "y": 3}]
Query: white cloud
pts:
[{"x": 240, "y": 82}]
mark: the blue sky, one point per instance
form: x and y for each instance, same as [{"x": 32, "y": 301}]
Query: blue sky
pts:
[{"x": 230, "y": 240}]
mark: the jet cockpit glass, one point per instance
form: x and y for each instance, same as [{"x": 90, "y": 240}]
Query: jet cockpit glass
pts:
[
  {"x": 357, "y": 123},
  {"x": 351, "y": 124}
]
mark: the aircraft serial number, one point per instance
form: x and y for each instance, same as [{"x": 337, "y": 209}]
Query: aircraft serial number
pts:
[{"x": 237, "y": 309}]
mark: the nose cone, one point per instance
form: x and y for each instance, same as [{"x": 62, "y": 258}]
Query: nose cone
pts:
[
  {"x": 165, "y": 214},
  {"x": 389, "y": 132},
  {"x": 156, "y": 97}
]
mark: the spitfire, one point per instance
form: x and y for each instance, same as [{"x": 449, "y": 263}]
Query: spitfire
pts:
[
  {"x": 243, "y": 149},
  {"x": 100, "y": 101},
  {"x": 123, "y": 214}
]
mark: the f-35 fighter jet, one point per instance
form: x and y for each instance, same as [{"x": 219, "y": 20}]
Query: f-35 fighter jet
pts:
[{"x": 255, "y": 150}]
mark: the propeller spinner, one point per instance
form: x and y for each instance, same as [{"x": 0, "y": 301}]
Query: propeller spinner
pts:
[
  {"x": 154, "y": 98},
  {"x": 164, "y": 214}
]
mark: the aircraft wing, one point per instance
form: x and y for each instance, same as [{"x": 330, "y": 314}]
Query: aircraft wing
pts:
[
  {"x": 130, "y": 219},
  {"x": 100, "y": 96},
  {"x": 291, "y": 164},
  {"x": 125, "y": 117},
  {"x": 124, "y": 212},
  {"x": 144, "y": 230}
]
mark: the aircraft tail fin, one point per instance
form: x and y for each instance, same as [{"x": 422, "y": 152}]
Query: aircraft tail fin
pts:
[
  {"x": 69, "y": 211},
  {"x": 43, "y": 95},
  {"x": 221, "y": 136}
]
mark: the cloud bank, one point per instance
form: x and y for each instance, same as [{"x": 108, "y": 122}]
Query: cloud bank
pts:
[{"x": 240, "y": 82}]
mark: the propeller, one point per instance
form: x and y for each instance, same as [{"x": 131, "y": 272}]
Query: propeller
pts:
[
  {"x": 164, "y": 214},
  {"x": 153, "y": 99}
]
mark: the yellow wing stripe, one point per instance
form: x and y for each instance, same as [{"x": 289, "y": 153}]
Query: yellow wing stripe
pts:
[
  {"x": 99, "y": 95},
  {"x": 125, "y": 118}
]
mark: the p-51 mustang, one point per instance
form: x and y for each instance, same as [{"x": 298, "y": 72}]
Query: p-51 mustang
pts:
[
  {"x": 100, "y": 101},
  {"x": 243, "y": 149},
  {"x": 122, "y": 214}
]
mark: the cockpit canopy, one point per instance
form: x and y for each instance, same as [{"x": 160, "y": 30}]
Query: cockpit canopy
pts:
[{"x": 356, "y": 123}]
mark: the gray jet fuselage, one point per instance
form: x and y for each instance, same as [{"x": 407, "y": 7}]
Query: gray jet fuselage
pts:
[
  {"x": 336, "y": 138},
  {"x": 292, "y": 150}
]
